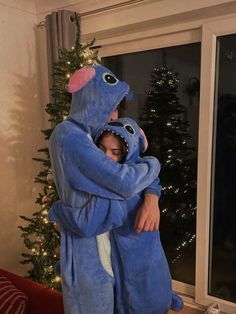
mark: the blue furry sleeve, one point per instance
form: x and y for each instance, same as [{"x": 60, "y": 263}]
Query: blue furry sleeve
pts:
[
  {"x": 154, "y": 188},
  {"x": 98, "y": 215},
  {"x": 89, "y": 170}
]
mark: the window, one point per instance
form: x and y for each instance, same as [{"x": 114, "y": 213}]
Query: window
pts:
[
  {"x": 172, "y": 136},
  {"x": 207, "y": 276},
  {"x": 215, "y": 245},
  {"x": 222, "y": 280}
]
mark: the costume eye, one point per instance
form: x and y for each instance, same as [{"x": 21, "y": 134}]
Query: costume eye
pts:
[
  {"x": 110, "y": 79},
  {"x": 129, "y": 128}
]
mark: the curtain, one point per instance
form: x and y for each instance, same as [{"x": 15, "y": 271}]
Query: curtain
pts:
[{"x": 60, "y": 33}]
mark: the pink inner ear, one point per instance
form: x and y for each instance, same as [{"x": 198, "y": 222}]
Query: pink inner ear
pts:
[
  {"x": 145, "y": 141},
  {"x": 80, "y": 78}
]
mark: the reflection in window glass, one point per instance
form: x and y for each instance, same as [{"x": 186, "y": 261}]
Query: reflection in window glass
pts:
[
  {"x": 166, "y": 102},
  {"x": 222, "y": 281}
]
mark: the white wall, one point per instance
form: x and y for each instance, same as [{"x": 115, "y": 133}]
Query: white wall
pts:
[
  {"x": 21, "y": 119},
  {"x": 23, "y": 90}
]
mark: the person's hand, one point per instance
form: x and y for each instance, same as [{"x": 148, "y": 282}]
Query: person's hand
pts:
[{"x": 148, "y": 216}]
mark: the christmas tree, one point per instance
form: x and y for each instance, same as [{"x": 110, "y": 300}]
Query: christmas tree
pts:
[
  {"x": 168, "y": 137},
  {"x": 40, "y": 237}
]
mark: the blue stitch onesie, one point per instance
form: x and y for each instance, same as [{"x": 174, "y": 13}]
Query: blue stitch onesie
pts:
[
  {"x": 79, "y": 169},
  {"x": 142, "y": 277}
]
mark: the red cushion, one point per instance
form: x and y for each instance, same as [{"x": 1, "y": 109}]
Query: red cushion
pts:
[{"x": 12, "y": 300}]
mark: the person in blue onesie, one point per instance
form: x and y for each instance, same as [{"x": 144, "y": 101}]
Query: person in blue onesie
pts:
[
  {"x": 142, "y": 277},
  {"x": 87, "y": 180}
]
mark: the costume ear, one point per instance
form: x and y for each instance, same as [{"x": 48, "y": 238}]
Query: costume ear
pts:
[
  {"x": 80, "y": 78},
  {"x": 143, "y": 141}
]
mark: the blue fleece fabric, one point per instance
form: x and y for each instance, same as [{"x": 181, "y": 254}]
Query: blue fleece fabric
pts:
[
  {"x": 142, "y": 276},
  {"x": 89, "y": 181}
]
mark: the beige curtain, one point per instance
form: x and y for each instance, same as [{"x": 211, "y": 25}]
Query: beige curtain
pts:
[{"x": 61, "y": 33}]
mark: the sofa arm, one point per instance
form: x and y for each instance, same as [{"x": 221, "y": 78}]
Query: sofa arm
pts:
[{"x": 41, "y": 299}]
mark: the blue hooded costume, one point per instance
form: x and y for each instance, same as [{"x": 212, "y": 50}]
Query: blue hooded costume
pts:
[
  {"x": 142, "y": 277},
  {"x": 89, "y": 181}
]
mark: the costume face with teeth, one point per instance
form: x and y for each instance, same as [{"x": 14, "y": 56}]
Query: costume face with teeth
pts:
[
  {"x": 130, "y": 133},
  {"x": 113, "y": 146}
]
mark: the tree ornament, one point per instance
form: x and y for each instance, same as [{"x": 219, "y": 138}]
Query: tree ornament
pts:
[
  {"x": 45, "y": 200},
  {"x": 50, "y": 178}
]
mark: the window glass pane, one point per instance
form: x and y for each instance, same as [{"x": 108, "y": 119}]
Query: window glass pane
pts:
[
  {"x": 166, "y": 103},
  {"x": 222, "y": 281}
]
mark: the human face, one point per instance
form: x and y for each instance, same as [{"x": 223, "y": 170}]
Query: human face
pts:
[{"x": 111, "y": 146}]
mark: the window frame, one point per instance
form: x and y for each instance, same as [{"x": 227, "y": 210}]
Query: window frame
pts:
[
  {"x": 196, "y": 296},
  {"x": 210, "y": 32}
]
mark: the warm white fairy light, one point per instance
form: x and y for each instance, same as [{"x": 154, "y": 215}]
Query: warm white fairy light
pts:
[
  {"x": 68, "y": 75},
  {"x": 184, "y": 243},
  {"x": 176, "y": 259},
  {"x": 45, "y": 212},
  {"x": 86, "y": 54},
  {"x": 192, "y": 238},
  {"x": 47, "y": 269},
  {"x": 35, "y": 252},
  {"x": 56, "y": 279}
]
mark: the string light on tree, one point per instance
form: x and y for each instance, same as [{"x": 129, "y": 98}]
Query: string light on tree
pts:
[{"x": 168, "y": 137}]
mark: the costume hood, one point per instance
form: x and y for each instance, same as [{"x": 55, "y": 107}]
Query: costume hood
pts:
[
  {"x": 130, "y": 133},
  {"x": 96, "y": 93}
]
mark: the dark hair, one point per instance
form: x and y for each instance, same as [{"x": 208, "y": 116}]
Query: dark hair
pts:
[{"x": 124, "y": 147}]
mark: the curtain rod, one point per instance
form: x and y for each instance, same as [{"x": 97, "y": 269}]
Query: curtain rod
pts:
[{"x": 110, "y": 7}]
